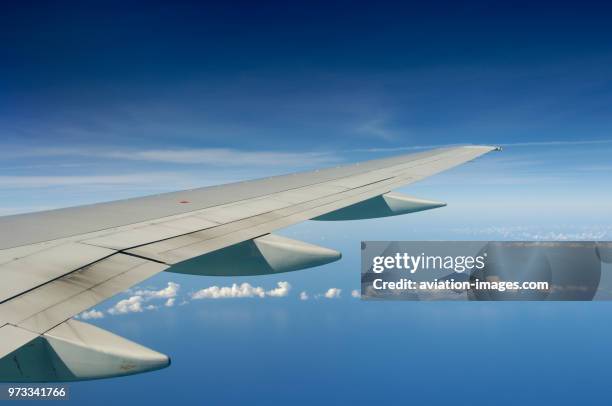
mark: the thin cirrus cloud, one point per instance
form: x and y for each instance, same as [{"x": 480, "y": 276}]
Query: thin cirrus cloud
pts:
[
  {"x": 175, "y": 178},
  {"x": 25, "y": 182},
  {"x": 204, "y": 156},
  {"x": 226, "y": 157}
]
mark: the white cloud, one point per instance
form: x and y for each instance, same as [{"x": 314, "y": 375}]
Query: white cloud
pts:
[
  {"x": 303, "y": 296},
  {"x": 234, "y": 291},
  {"x": 332, "y": 293},
  {"x": 92, "y": 314},
  {"x": 137, "y": 302},
  {"x": 131, "y": 305},
  {"x": 281, "y": 291},
  {"x": 355, "y": 293},
  {"x": 169, "y": 291},
  {"x": 241, "y": 291}
]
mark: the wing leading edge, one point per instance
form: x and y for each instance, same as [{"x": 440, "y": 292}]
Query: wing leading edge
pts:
[{"x": 59, "y": 263}]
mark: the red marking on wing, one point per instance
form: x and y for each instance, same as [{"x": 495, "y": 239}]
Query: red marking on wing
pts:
[{"x": 184, "y": 201}]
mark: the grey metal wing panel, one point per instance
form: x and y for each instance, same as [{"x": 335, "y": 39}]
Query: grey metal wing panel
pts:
[
  {"x": 47, "y": 306},
  {"x": 25, "y": 273},
  {"x": 175, "y": 250}
]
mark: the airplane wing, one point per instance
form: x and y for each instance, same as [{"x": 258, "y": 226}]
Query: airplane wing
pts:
[{"x": 56, "y": 264}]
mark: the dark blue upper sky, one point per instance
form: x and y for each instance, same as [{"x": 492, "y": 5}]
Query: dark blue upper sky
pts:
[{"x": 314, "y": 75}]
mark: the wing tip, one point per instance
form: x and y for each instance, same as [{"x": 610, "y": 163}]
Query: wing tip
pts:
[{"x": 484, "y": 147}]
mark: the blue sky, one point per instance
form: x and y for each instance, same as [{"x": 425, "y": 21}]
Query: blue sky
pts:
[{"x": 104, "y": 101}]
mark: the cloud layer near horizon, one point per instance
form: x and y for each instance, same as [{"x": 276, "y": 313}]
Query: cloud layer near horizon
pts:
[{"x": 141, "y": 300}]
